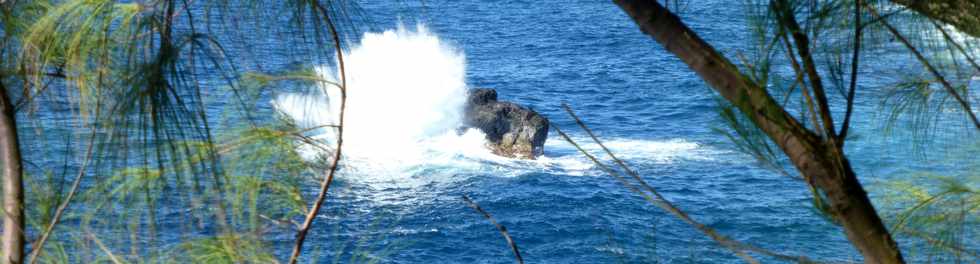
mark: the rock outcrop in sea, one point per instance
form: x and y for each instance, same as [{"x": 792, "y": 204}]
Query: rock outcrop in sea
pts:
[{"x": 512, "y": 130}]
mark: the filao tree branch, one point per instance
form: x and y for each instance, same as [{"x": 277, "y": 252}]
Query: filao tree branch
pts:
[{"x": 821, "y": 163}]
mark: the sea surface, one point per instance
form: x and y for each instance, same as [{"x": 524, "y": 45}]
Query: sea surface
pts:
[
  {"x": 399, "y": 196},
  {"x": 647, "y": 106}
]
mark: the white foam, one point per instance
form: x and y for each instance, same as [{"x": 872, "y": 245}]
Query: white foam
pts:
[
  {"x": 405, "y": 93},
  {"x": 658, "y": 151},
  {"x": 406, "y": 89}
]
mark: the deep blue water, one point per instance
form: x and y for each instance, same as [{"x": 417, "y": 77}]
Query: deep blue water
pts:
[
  {"x": 591, "y": 56},
  {"x": 650, "y": 107}
]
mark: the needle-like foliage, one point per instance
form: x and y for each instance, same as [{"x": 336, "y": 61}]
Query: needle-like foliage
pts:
[{"x": 138, "y": 78}]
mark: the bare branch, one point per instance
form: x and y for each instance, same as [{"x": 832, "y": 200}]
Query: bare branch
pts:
[
  {"x": 112, "y": 257},
  {"x": 855, "y": 58},
  {"x": 654, "y": 197},
  {"x": 798, "y": 80},
  {"x": 39, "y": 245},
  {"x": 325, "y": 186},
  {"x": 785, "y": 13},
  {"x": 285, "y": 223},
  {"x": 501, "y": 228}
]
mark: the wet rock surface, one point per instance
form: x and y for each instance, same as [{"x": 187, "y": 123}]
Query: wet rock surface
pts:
[{"x": 511, "y": 130}]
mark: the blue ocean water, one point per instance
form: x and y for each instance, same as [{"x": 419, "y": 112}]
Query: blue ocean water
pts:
[
  {"x": 642, "y": 101},
  {"x": 650, "y": 108}
]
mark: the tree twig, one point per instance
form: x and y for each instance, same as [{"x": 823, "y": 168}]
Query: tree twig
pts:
[
  {"x": 659, "y": 200},
  {"x": 293, "y": 225},
  {"x": 112, "y": 257},
  {"x": 855, "y": 58},
  {"x": 325, "y": 185},
  {"x": 39, "y": 245},
  {"x": 811, "y": 109},
  {"x": 785, "y": 13},
  {"x": 925, "y": 62},
  {"x": 501, "y": 228}
]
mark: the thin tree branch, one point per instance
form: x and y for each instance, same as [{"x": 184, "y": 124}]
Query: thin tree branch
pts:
[
  {"x": 325, "y": 186},
  {"x": 956, "y": 45},
  {"x": 904, "y": 216},
  {"x": 797, "y": 81},
  {"x": 785, "y": 13},
  {"x": 659, "y": 200},
  {"x": 855, "y": 58},
  {"x": 39, "y": 245},
  {"x": 112, "y": 257},
  {"x": 811, "y": 109},
  {"x": 293, "y": 225},
  {"x": 822, "y": 168},
  {"x": 293, "y": 77},
  {"x": 935, "y": 72},
  {"x": 501, "y": 228}
]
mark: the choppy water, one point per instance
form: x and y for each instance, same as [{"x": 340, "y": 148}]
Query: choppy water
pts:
[
  {"x": 399, "y": 199},
  {"x": 649, "y": 108}
]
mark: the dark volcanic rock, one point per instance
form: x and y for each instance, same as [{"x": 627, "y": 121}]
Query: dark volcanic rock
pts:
[{"x": 512, "y": 130}]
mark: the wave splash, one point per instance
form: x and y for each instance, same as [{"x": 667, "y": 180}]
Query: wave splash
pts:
[
  {"x": 405, "y": 97},
  {"x": 405, "y": 94}
]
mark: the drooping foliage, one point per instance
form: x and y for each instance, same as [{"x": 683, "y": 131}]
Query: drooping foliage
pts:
[{"x": 148, "y": 171}]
